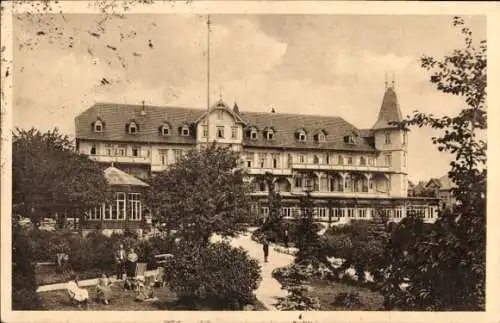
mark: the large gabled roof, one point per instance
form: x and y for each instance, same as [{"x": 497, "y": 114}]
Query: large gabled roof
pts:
[{"x": 116, "y": 116}]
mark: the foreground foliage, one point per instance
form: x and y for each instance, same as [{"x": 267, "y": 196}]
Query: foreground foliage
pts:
[{"x": 216, "y": 275}]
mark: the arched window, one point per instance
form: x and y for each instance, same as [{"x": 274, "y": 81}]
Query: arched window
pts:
[
  {"x": 165, "y": 130},
  {"x": 185, "y": 131},
  {"x": 301, "y": 135},
  {"x": 98, "y": 126},
  {"x": 132, "y": 128},
  {"x": 270, "y": 134}
]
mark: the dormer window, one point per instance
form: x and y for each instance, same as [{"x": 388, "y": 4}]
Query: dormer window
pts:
[
  {"x": 301, "y": 135},
  {"x": 185, "y": 131},
  {"x": 98, "y": 126},
  {"x": 252, "y": 133},
  {"x": 269, "y": 133},
  {"x": 133, "y": 128},
  {"x": 165, "y": 130},
  {"x": 349, "y": 139},
  {"x": 320, "y": 137}
]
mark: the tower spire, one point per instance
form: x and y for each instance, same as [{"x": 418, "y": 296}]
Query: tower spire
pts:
[{"x": 386, "y": 83}]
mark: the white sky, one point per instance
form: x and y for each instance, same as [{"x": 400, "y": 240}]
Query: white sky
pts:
[{"x": 311, "y": 64}]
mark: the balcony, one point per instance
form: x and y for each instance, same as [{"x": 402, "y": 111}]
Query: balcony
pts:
[
  {"x": 339, "y": 167},
  {"x": 120, "y": 159},
  {"x": 325, "y": 194},
  {"x": 274, "y": 171}
]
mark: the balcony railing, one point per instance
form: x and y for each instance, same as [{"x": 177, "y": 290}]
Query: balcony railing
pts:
[
  {"x": 326, "y": 194},
  {"x": 340, "y": 167},
  {"x": 120, "y": 159},
  {"x": 274, "y": 171}
]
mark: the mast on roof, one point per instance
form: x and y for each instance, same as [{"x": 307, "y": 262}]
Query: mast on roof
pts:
[{"x": 208, "y": 77}]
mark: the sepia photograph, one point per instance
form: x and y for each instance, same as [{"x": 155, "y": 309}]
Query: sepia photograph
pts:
[{"x": 194, "y": 159}]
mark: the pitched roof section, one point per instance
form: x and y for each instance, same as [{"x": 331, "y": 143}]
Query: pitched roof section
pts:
[
  {"x": 286, "y": 126},
  {"x": 116, "y": 116},
  {"x": 114, "y": 176},
  {"x": 389, "y": 111}
]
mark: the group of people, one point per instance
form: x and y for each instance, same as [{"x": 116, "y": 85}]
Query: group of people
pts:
[{"x": 126, "y": 262}]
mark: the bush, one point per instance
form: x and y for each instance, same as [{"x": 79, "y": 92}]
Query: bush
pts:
[
  {"x": 348, "y": 300},
  {"x": 24, "y": 296},
  {"x": 216, "y": 275},
  {"x": 298, "y": 300}
]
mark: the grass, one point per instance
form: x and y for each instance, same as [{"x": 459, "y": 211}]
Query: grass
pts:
[
  {"x": 47, "y": 274},
  {"x": 326, "y": 291},
  {"x": 123, "y": 300}
]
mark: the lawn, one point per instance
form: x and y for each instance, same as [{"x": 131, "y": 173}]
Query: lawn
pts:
[
  {"x": 326, "y": 291},
  {"x": 124, "y": 300},
  {"x": 46, "y": 274}
]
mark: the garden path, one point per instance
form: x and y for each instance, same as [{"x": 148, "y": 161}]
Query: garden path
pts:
[{"x": 269, "y": 288}]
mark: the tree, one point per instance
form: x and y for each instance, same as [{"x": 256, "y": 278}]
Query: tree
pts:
[
  {"x": 203, "y": 193},
  {"x": 272, "y": 227},
  {"x": 49, "y": 177},
  {"x": 307, "y": 238},
  {"x": 447, "y": 263}
]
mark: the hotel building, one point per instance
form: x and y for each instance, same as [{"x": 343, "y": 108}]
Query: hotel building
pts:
[{"x": 350, "y": 172}]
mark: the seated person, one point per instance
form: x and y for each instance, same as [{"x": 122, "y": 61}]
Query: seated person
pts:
[
  {"x": 145, "y": 291},
  {"x": 77, "y": 294},
  {"x": 104, "y": 289}
]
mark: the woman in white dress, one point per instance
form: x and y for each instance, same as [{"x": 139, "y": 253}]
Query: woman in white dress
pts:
[{"x": 76, "y": 293}]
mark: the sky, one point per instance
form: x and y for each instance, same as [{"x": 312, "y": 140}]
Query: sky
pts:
[{"x": 312, "y": 64}]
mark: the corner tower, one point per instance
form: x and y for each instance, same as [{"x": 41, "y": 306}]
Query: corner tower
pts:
[{"x": 392, "y": 143}]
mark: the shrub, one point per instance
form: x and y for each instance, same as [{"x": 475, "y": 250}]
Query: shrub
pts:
[
  {"x": 217, "y": 275},
  {"x": 24, "y": 296},
  {"x": 348, "y": 300},
  {"x": 298, "y": 300}
]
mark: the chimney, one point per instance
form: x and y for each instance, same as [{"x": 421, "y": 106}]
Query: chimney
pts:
[{"x": 143, "y": 111}]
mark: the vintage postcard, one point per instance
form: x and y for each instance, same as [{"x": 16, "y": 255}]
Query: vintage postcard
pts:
[{"x": 249, "y": 161}]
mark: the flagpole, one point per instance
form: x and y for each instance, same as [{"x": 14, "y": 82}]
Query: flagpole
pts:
[{"x": 208, "y": 79}]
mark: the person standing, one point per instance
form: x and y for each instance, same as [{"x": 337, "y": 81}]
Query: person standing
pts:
[
  {"x": 121, "y": 262},
  {"x": 265, "y": 247},
  {"x": 132, "y": 263},
  {"x": 285, "y": 238}
]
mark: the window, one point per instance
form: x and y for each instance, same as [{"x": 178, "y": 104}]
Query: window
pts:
[
  {"x": 234, "y": 132},
  {"x": 298, "y": 181},
  {"x": 109, "y": 150},
  {"x": 205, "y": 131},
  {"x": 95, "y": 213},
  {"x": 270, "y": 135},
  {"x": 120, "y": 150},
  {"x": 341, "y": 160},
  {"x": 98, "y": 126},
  {"x": 220, "y": 114},
  {"x": 134, "y": 206},
  {"x": 321, "y": 212},
  {"x": 321, "y": 137},
  {"x": 120, "y": 207},
  {"x": 264, "y": 210},
  {"x": 302, "y": 136},
  {"x": 289, "y": 160},
  {"x": 327, "y": 159},
  {"x": 132, "y": 128},
  {"x": 164, "y": 156},
  {"x": 262, "y": 160},
  {"x": 349, "y": 139},
  {"x": 316, "y": 159},
  {"x": 349, "y": 160},
  {"x": 388, "y": 160},
  {"x": 220, "y": 132},
  {"x": 276, "y": 160},
  {"x": 136, "y": 151},
  {"x": 249, "y": 158},
  {"x": 362, "y": 213},
  {"x": 185, "y": 131},
  {"x": 302, "y": 158},
  {"x": 165, "y": 130},
  {"x": 362, "y": 161},
  {"x": 371, "y": 161},
  {"x": 93, "y": 150},
  {"x": 177, "y": 155},
  {"x": 350, "y": 213},
  {"x": 387, "y": 138}
]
